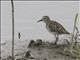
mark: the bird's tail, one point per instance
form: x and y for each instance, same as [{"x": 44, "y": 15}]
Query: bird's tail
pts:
[{"x": 68, "y": 33}]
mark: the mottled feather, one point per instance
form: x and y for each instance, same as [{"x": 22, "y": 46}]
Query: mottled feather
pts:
[{"x": 56, "y": 27}]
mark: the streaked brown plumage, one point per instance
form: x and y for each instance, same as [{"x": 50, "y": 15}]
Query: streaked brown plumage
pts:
[{"x": 54, "y": 27}]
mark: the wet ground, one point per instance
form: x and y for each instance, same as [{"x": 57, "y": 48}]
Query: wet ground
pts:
[
  {"x": 43, "y": 51},
  {"x": 48, "y": 51}
]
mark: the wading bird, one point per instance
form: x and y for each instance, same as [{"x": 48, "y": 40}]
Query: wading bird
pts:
[{"x": 54, "y": 27}]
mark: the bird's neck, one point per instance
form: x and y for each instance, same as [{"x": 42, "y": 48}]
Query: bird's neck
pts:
[{"x": 47, "y": 21}]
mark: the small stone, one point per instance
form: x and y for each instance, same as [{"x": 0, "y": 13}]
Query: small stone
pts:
[
  {"x": 31, "y": 43},
  {"x": 38, "y": 42},
  {"x": 27, "y": 54}
]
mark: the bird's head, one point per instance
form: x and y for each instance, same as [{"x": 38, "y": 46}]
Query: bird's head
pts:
[{"x": 44, "y": 19}]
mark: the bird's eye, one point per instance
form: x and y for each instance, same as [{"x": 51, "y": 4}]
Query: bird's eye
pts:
[{"x": 44, "y": 18}]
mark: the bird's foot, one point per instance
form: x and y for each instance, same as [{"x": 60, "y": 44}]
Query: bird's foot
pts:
[
  {"x": 55, "y": 43},
  {"x": 56, "y": 40}
]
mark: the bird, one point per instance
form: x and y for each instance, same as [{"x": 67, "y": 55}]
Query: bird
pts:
[{"x": 54, "y": 27}]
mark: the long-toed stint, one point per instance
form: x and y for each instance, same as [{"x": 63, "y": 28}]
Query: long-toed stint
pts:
[{"x": 54, "y": 27}]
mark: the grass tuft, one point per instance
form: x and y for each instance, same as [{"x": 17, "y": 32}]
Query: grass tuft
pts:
[{"x": 74, "y": 47}]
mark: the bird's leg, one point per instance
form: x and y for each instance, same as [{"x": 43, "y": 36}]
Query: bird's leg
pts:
[{"x": 57, "y": 38}]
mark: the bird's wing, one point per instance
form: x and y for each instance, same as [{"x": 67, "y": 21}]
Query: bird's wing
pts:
[
  {"x": 58, "y": 28},
  {"x": 61, "y": 29}
]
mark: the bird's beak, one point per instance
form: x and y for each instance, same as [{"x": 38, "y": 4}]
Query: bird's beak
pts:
[{"x": 39, "y": 20}]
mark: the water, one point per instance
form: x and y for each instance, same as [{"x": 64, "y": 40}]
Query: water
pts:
[
  {"x": 20, "y": 47},
  {"x": 28, "y": 13}
]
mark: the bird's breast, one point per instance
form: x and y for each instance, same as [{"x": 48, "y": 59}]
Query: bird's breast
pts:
[{"x": 49, "y": 30}]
